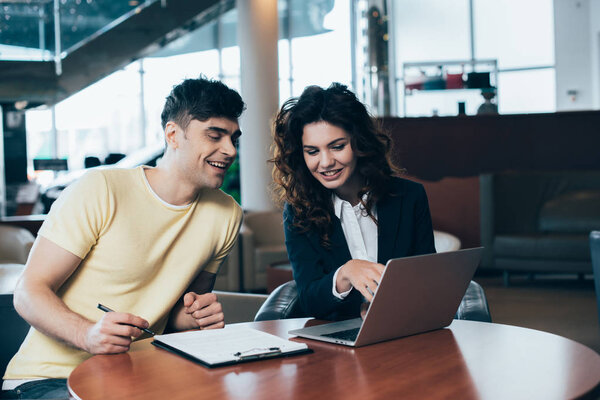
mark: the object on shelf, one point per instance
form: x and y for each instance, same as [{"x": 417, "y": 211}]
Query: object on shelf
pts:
[
  {"x": 478, "y": 80},
  {"x": 452, "y": 77},
  {"x": 434, "y": 83},
  {"x": 415, "y": 82},
  {"x": 454, "y": 81}
]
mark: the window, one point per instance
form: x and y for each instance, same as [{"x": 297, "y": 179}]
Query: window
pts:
[
  {"x": 519, "y": 35},
  {"x": 516, "y": 33},
  {"x": 322, "y": 58},
  {"x": 528, "y": 91},
  {"x": 431, "y": 30}
]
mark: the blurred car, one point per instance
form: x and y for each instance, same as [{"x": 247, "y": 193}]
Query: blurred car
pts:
[{"x": 146, "y": 156}]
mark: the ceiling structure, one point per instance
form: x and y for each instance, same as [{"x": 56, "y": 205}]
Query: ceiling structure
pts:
[{"x": 96, "y": 38}]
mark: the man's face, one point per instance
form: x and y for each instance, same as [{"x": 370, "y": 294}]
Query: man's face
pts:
[{"x": 206, "y": 149}]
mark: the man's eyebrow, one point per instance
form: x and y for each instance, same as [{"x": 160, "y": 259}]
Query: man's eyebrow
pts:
[
  {"x": 217, "y": 129},
  {"x": 224, "y": 131}
]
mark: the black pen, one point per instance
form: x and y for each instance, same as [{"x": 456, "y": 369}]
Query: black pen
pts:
[
  {"x": 271, "y": 351},
  {"x": 106, "y": 309}
]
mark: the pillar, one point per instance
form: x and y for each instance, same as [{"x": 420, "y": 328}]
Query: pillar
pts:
[{"x": 257, "y": 36}]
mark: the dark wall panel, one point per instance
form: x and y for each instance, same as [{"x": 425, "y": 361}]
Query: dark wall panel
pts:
[
  {"x": 15, "y": 145},
  {"x": 436, "y": 147}
]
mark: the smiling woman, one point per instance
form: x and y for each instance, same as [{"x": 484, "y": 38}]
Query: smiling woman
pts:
[
  {"x": 345, "y": 212},
  {"x": 329, "y": 158}
]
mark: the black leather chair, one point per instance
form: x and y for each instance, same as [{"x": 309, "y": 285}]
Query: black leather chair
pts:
[
  {"x": 595, "y": 250},
  {"x": 283, "y": 303},
  {"x": 13, "y": 331},
  {"x": 13, "y": 328}
]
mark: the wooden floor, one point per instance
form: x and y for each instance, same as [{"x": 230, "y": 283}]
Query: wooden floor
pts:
[{"x": 561, "y": 305}]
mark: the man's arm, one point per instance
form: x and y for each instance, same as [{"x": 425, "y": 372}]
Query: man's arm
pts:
[
  {"x": 35, "y": 299},
  {"x": 198, "y": 308}
]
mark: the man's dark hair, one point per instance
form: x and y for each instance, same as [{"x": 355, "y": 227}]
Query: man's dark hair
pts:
[{"x": 201, "y": 99}]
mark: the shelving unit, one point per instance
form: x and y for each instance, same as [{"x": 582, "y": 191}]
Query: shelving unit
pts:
[{"x": 448, "y": 76}]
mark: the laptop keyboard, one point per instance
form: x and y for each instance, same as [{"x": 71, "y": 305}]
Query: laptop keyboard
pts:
[{"x": 349, "y": 334}]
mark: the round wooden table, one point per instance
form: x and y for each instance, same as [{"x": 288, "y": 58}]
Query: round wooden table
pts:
[{"x": 467, "y": 360}]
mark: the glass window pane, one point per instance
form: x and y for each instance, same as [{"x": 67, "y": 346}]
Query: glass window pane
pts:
[
  {"x": 283, "y": 54},
  {"x": 527, "y": 91},
  {"x": 325, "y": 58},
  {"x": 442, "y": 102},
  {"x": 233, "y": 83},
  {"x": 164, "y": 73},
  {"x": 284, "y": 91},
  {"x": 431, "y": 30},
  {"x": 102, "y": 118},
  {"x": 228, "y": 31},
  {"x": 230, "y": 61},
  {"x": 39, "y": 142},
  {"x": 516, "y": 33}
]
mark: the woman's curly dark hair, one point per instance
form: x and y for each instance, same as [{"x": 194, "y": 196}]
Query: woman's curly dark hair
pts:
[{"x": 294, "y": 183}]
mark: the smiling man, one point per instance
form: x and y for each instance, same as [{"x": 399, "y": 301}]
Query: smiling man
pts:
[{"x": 146, "y": 242}]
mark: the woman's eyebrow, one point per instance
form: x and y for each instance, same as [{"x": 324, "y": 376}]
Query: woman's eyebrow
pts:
[
  {"x": 336, "y": 140},
  {"x": 333, "y": 142}
]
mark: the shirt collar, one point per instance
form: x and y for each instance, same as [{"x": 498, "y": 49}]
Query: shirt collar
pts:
[{"x": 338, "y": 203}]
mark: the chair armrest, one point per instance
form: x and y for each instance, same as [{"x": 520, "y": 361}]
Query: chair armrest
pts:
[
  {"x": 239, "y": 307},
  {"x": 247, "y": 269},
  {"x": 486, "y": 218},
  {"x": 474, "y": 305},
  {"x": 282, "y": 303}
]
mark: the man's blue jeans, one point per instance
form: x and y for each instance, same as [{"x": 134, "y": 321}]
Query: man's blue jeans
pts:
[{"x": 42, "y": 389}]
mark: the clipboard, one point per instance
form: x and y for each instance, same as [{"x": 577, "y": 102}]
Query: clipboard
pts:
[{"x": 228, "y": 346}]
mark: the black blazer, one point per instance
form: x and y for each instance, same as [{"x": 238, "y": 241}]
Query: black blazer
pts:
[{"x": 404, "y": 229}]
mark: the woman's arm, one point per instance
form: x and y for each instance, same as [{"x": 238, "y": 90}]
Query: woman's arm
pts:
[{"x": 314, "y": 278}]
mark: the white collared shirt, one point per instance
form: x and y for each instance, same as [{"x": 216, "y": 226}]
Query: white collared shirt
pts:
[{"x": 360, "y": 232}]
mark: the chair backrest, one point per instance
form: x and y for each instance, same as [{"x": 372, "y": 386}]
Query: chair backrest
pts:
[
  {"x": 13, "y": 332},
  {"x": 445, "y": 241},
  {"x": 14, "y": 328},
  {"x": 15, "y": 243},
  {"x": 595, "y": 250},
  {"x": 267, "y": 227},
  {"x": 283, "y": 303}
]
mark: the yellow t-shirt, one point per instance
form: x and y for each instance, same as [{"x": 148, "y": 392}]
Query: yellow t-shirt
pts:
[{"x": 139, "y": 256}]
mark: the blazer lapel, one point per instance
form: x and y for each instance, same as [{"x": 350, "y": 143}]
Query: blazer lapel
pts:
[
  {"x": 339, "y": 253},
  {"x": 388, "y": 218}
]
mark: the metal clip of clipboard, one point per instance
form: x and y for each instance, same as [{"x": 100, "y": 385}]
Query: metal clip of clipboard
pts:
[{"x": 257, "y": 353}]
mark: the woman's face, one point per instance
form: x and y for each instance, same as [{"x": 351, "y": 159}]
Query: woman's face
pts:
[{"x": 329, "y": 157}]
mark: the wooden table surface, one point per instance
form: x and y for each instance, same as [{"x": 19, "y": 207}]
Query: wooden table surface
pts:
[{"x": 468, "y": 360}]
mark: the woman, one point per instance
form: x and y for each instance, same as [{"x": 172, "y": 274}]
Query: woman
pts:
[{"x": 345, "y": 213}]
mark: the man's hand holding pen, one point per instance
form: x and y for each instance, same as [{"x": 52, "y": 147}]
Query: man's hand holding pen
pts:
[
  {"x": 113, "y": 333},
  {"x": 204, "y": 309}
]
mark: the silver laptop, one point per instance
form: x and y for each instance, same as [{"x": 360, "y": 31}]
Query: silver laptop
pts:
[{"x": 416, "y": 294}]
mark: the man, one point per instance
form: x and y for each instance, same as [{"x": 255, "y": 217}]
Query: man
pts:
[{"x": 146, "y": 242}]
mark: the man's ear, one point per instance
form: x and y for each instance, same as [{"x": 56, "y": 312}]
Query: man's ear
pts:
[{"x": 171, "y": 134}]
